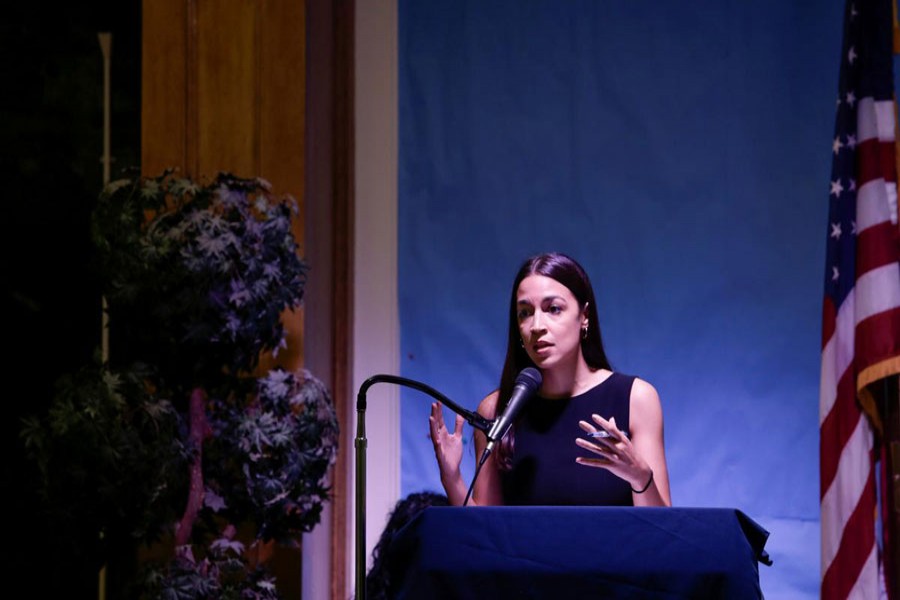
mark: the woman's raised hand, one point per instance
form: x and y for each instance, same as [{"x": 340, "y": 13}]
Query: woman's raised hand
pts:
[{"x": 448, "y": 446}]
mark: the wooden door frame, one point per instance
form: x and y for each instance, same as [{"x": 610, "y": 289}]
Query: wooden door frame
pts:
[{"x": 328, "y": 325}]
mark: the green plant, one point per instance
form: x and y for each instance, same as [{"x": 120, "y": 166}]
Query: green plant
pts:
[{"x": 177, "y": 433}]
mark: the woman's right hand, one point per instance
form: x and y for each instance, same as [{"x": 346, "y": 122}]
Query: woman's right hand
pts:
[{"x": 448, "y": 446}]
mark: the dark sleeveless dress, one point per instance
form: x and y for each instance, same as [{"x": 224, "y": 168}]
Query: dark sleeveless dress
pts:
[{"x": 544, "y": 471}]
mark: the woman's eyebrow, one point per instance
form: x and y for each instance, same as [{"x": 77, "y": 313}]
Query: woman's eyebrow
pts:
[{"x": 550, "y": 298}]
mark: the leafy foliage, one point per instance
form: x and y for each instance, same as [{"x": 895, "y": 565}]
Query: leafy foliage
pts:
[
  {"x": 197, "y": 278},
  {"x": 109, "y": 449},
  {"x": 284, "y": 433},
  {"x": 223, "y": 574},
  {"x": 202, "y": 284}
]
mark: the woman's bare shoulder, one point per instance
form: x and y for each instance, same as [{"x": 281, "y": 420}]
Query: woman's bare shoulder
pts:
[
  {"x": 644, "y": 396},
  {"x": 487, "y": 408}
]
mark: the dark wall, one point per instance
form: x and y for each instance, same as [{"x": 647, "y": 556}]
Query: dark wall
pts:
[{"x": 51, "y": 144}]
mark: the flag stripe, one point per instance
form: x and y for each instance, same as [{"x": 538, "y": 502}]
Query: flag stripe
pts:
[
  {"x": 876, "y": 160},
  {"x": 836, "y": 356},
  {"x": 853, "y": 551},
  {"x": 829, "y": 322},
  {"x": 877, "y": 291},
  {"x": 854, "y": 473},
  {"x": 873, "y": 205},
  {"x": 840, "y": 423},
  {"x": 877, "y": 248},
  {"x": 876, "y": 120},
  {"x": 880, "y": 342},
  {"x": 867, "y": 584}
]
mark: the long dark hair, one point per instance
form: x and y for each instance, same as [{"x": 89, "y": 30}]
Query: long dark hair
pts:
[
  {"x": 378, "y": 579},
  {"x": 568, "y": 272}
]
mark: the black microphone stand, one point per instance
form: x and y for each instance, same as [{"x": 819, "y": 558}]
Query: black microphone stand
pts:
[{"x": 360, "y": 443}]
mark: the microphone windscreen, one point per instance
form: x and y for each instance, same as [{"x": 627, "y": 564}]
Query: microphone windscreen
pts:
[{"x": 530, "y": 378}]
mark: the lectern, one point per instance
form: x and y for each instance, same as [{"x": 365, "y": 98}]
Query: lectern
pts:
[{"x": 579, "y": 553}]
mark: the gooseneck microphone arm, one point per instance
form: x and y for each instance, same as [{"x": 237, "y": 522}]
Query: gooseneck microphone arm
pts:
[{"x": 360, "y": 443}]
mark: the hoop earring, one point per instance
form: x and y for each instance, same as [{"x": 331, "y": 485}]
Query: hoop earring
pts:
[{"x": 584, "y": 332}]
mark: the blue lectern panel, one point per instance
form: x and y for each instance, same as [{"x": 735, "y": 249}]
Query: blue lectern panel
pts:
[{"x": 579, "y": 552}]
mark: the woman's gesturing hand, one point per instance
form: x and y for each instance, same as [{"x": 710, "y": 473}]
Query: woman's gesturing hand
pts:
[
  {"x": 448, "y": 446},
  {"x": 615, "y": 453}
]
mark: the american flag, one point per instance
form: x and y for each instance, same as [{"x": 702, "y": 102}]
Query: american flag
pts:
[{"x": 861, "y": 314}]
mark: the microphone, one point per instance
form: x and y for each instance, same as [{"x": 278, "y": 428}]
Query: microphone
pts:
[{"x": 527, "y": 383}]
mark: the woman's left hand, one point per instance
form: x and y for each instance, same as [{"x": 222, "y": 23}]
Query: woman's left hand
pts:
[{"x": 615, "y": 453}]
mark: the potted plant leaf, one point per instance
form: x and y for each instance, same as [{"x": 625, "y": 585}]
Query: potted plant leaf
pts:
[{"x": 178, "y": 437}]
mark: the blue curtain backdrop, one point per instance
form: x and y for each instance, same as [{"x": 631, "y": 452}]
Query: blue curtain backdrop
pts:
[{"x": 681, "y": 152}]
